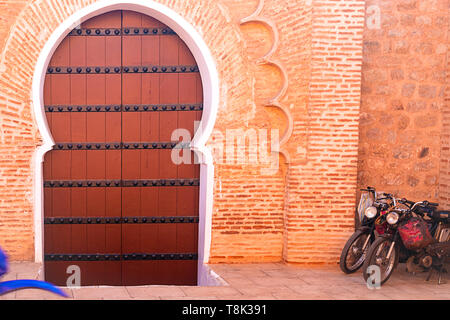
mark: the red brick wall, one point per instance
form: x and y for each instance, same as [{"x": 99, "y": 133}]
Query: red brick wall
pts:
[
  {"x": 322, "y": 180},
  {"x": 17, "y": 145}
]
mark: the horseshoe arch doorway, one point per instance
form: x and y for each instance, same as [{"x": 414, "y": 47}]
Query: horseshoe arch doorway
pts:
[{"x": 115, "y": 204}]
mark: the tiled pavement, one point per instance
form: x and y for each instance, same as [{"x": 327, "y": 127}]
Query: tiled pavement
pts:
[{"x": 257, "y": 282}]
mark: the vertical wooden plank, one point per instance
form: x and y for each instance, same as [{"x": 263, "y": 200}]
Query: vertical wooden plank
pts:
[
  {"x": 187, "y": 273},
  {"x": 169, "y": 89},
  {"x": 131, "y": 88},
  {"x": 131, "y": 198},
  {"x": 199, "y": 99},
  {"x": 96, "y": 159},
  {"x": 167, "y": 271},
  {"x": 187, "y": 90},
  {"x": 168, "y": 123},
  {"x": 61, "y": 96},
  {"x": 186, "y": 235},
  {"x": 187, "y": 200},
  {"x": 199, "y": 93},
  {"x": 61, "y": 160},
  {"x": 150, "y": 161},
  {"x": 55, "y": 272},
  {"x": 104, "y": 89},
  {"x": 150, "y": 130},
  {"x": 131, "y": 19},
  {"x": 113, "y": 164},
  {"x": 113, "y": 89},
  {"x": 78, "y": 135},
  {"x": 47, "y": 170},
  {"x": 150, "y": 22},
  {"x": 192, "y": 267},
  {"x": 110, "y": 19},
  {"x": 168, "y": 85}
]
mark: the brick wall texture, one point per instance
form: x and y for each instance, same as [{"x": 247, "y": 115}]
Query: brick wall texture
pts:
[{"x": 356, "y": 89}]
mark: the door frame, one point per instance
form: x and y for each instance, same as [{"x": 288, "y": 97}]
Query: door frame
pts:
[{"x": 210, "y": 82}]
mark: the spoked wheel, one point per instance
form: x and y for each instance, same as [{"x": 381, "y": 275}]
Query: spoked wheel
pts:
[
  {"x": 378, "y": 256},
  {"x": 355, "y": 251}
]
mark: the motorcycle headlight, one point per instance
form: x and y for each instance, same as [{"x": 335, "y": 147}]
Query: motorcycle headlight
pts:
[
  {"x": 392, "y": 218},
  {"x": 370, "y": 212}
]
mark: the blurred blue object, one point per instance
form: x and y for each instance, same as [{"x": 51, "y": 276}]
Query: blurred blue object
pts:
[
  {"x": 8, "y": 286},
  {"x": 12, "y": 285},
  {"x": 3, "y": 263}
]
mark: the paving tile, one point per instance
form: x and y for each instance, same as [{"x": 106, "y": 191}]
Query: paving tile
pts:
[
  {"x": 275, "y": 282},
  {"x": 396, "y": 295},
  {"x": 281, "y": 273},
  {"x": 298, "y": 296},
  {"x": 322, "y": 289},
  {"x": 354, "y": 292},
  {"x": 210, "y": 291},
  {"x": 143, "y": 292},
  {"x": 37, "y": 294},
  {"x": 218, "y": 267},
  {"x": 271, "y": 266},
  {"x": 375, "y": 296},
  {"x": 148, "y": 298},
  {"x": 9, "y": 276},
  {"x": 248, "y": 297},
  {"x": 100, "y": 293},
  {"x": 261, "y": 291},
  {"x": 248, "y": 273},
  {"x": 361, "y": 289},
  {"x": 24, "y": 267},
  {"x": 239, "y": 281},
  {"x": 190, "y": 298},
  {"x": 415, "y": 289},
  {"x": 231, "y": 274},
  {"x": 8, "y": 296},
  {"x": 27, "y": 276},
  {"x": 439, "y": 289}
]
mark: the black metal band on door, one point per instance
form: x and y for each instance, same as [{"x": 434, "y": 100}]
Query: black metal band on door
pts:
[
  {"x": 121, "y": 31},
  {"x": 120, "y": 145},
  {"x": 118, "y": 257},
  {"x": 118, "y": 70},
  {"x": 122, "y": 183},
  {"x": 126, "y": 108},
  {"x": 120, "y": 220}
]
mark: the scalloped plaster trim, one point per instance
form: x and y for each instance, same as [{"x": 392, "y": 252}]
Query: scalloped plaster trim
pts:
[{"x": 267, "y": 60}]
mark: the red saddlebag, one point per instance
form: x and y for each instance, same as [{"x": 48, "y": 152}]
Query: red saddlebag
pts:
[{"x": 415, "y": 234}]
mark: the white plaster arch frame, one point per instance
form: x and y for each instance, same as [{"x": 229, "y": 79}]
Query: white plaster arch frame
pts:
[{"x": 210, "y": 81}]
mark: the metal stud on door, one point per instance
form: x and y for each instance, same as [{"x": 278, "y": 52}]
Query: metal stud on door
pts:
[{"x": 115, "y": 203}]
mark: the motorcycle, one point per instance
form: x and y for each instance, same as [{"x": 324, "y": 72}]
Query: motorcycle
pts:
[
  {"x": 432, "y": 257},
  {"x": 354, "y": 252},
  {"x": 409, "y": 237}
]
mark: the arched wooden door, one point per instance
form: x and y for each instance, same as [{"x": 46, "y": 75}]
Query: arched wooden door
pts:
[{"x": 116, "y": 205}]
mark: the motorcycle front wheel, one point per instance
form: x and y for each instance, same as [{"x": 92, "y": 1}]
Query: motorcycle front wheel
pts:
[
  {"x": 353, "y": 254},
  {"x": 378, "y": 256}
]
